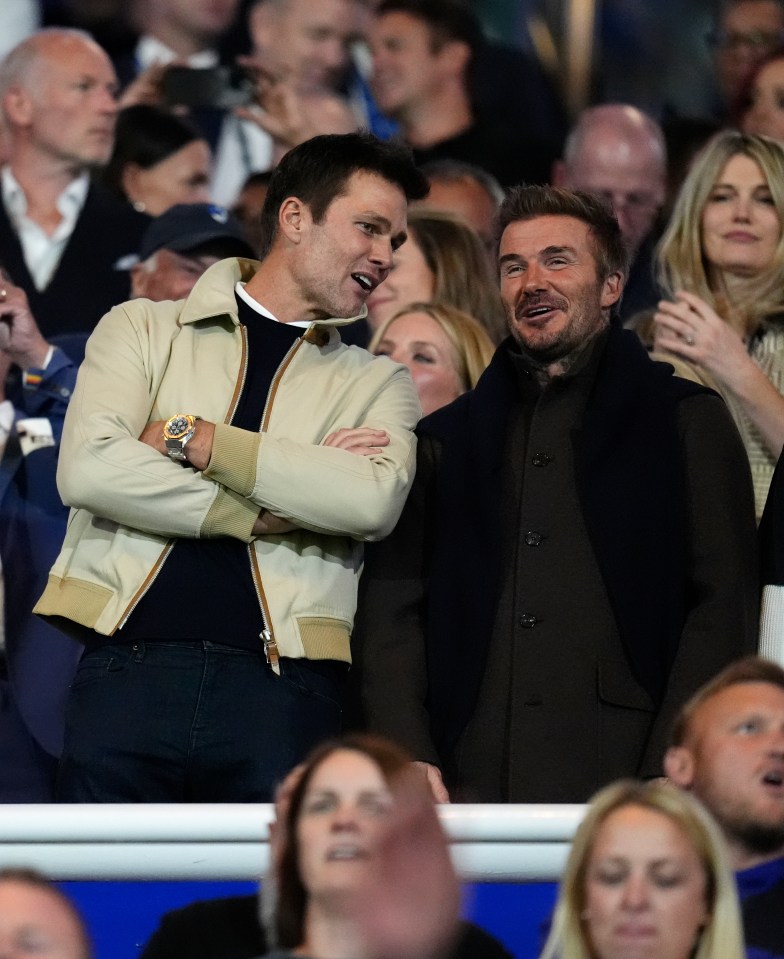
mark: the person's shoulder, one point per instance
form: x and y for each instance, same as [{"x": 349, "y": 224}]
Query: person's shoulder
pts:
[
  {"x": 209, "y": 929},
  {"x": 101, "y": 202},
  {"x": 474, "y": 942},
  {"x": 626, "y": 352},
  {"x": 442, "y": 423}
]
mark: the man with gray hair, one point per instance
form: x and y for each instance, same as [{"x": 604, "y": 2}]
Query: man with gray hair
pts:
[
  {"x": 618, "y": 152},
  {"x": 62, "y": 236}
]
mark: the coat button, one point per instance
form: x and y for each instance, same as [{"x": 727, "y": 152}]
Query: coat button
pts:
[
  {"x": 541, "y": 459},
  {"x": 527, "y": 621},
  {"x": 532, "y": 538}
]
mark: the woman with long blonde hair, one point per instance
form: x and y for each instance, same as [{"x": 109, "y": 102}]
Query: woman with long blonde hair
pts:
[
  {"x": 648, "y": 875},
  {"x": 721, "y": 263},
  {"x": 445, "y": 350}
]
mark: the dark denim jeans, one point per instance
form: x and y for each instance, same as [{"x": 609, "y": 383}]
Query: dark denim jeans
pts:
[{"x": 191, "y": 722}]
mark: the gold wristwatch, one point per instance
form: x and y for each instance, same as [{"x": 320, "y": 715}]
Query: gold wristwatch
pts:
[{"x": 177, "y": 431}]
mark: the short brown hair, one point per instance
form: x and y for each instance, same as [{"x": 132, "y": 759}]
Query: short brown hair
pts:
[
  {"x": 531, "y": 202},
  {"x": 750, "y": 669}
]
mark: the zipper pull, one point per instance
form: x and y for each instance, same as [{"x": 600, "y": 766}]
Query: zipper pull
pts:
[{"x": 271, "y": 651}]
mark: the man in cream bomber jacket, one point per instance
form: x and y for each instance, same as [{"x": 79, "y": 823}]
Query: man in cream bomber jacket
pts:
[{"x": 225, "y": 456}]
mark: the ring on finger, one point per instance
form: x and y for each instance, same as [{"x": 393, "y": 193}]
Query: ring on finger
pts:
[{"x": 689, "y": 338}]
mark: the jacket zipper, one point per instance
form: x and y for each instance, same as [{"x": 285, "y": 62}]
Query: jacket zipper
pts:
[
  {"x": 151, "y": 576},
  {"x": 267, "y": 635}
]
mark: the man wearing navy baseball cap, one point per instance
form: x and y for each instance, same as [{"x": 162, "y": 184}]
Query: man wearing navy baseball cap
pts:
[{"x": 180, "y": 244}]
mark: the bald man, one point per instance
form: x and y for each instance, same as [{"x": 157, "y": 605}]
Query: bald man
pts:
[{"x": 618, "y": 152}]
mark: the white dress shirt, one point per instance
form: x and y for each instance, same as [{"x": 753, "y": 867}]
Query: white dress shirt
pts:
[{"x": 41, "y": 251}]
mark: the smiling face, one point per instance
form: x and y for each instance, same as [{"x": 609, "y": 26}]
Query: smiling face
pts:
[
  {"x": 68, "y": 104},
  {"x": 417, "y": 341},
  {"x": 765, "y": 115},
  {"x": 740, "y": 223},
  {"x": 344, "y": 812},
  {"x": 733, "y": 760},
  {"x": 342, "y": 259},
  {"x": 645, "y": 888},
  {"x": 34, "y": 922},
  {"x": 407, "y": 71},
  {"x": 411, "y": 281},
  {"x": 549, "y": 283}
]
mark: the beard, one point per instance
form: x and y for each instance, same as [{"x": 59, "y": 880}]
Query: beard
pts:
[
  {"x": 758, "y": 831},
  {"x": 543, "y": 348},
  {"x": 759, "y": 838}
]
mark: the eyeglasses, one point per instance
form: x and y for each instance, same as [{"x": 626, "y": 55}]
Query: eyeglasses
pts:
[
  {"x": 632, "y": 204},
  {"x": 758, "y": 41}
]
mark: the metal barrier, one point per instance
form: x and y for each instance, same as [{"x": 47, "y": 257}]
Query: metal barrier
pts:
[{"x": 220, "y": 841}]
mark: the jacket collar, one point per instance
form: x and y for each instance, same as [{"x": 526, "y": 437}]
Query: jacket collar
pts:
[{"x": 213, "y": 295}]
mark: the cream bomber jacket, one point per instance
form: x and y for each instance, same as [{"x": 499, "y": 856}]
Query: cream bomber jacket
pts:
[{"x": 147, "y": 361}]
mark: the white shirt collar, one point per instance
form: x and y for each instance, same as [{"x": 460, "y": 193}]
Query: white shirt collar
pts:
[
  {"x": 150, "y": 50},
  {"x": 255, "y": 305},
  {"x": 69, "y": 203}
]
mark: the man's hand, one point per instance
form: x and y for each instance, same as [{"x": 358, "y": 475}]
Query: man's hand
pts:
[
  {"x": 145, "y": 88},
  {"x": 198, "y": 449},
  {"x": 434, "y": 780},
  {"x": 268, "y": 524},
  {"x": 20, "y": 337},
  {"x": 362, "y": 440},
  {"x": 289, "y": 116}
]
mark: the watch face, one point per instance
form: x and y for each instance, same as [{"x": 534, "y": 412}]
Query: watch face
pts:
[{"x": 177, "y": 425}]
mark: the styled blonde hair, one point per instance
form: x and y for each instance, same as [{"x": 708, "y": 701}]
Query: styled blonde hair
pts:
[
  {"x": 681, "y": 261},
  {"x": 462, "y": 273},
  {"x": 472, "y": 346},
  {"x": 722, "y": 937}
]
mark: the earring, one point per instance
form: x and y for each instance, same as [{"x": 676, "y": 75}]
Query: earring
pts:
[{"x": 138, "y": 206}]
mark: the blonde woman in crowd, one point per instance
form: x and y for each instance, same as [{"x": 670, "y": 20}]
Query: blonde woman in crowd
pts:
[
  {"x": 442, "y": 261},
  {"x": 721, "y": 262},
  {"x": 647, "y": 875},
  {"x": 444, "y": 348}
]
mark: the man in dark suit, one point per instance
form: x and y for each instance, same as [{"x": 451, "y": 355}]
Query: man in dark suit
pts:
[
  {"x": 38, "y": 662},
  {"x": 62, "y": 239},
  {"x": 578, "y": 551}
]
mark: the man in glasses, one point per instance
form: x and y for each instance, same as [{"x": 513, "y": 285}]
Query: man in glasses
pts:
[{"x": 746, "y": 32}]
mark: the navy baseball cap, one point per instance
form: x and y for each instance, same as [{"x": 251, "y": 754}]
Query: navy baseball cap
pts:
[{"x": 188, "y": 226}]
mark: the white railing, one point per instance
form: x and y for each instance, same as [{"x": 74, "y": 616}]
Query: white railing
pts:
[{"x": 221, "y": 841}]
